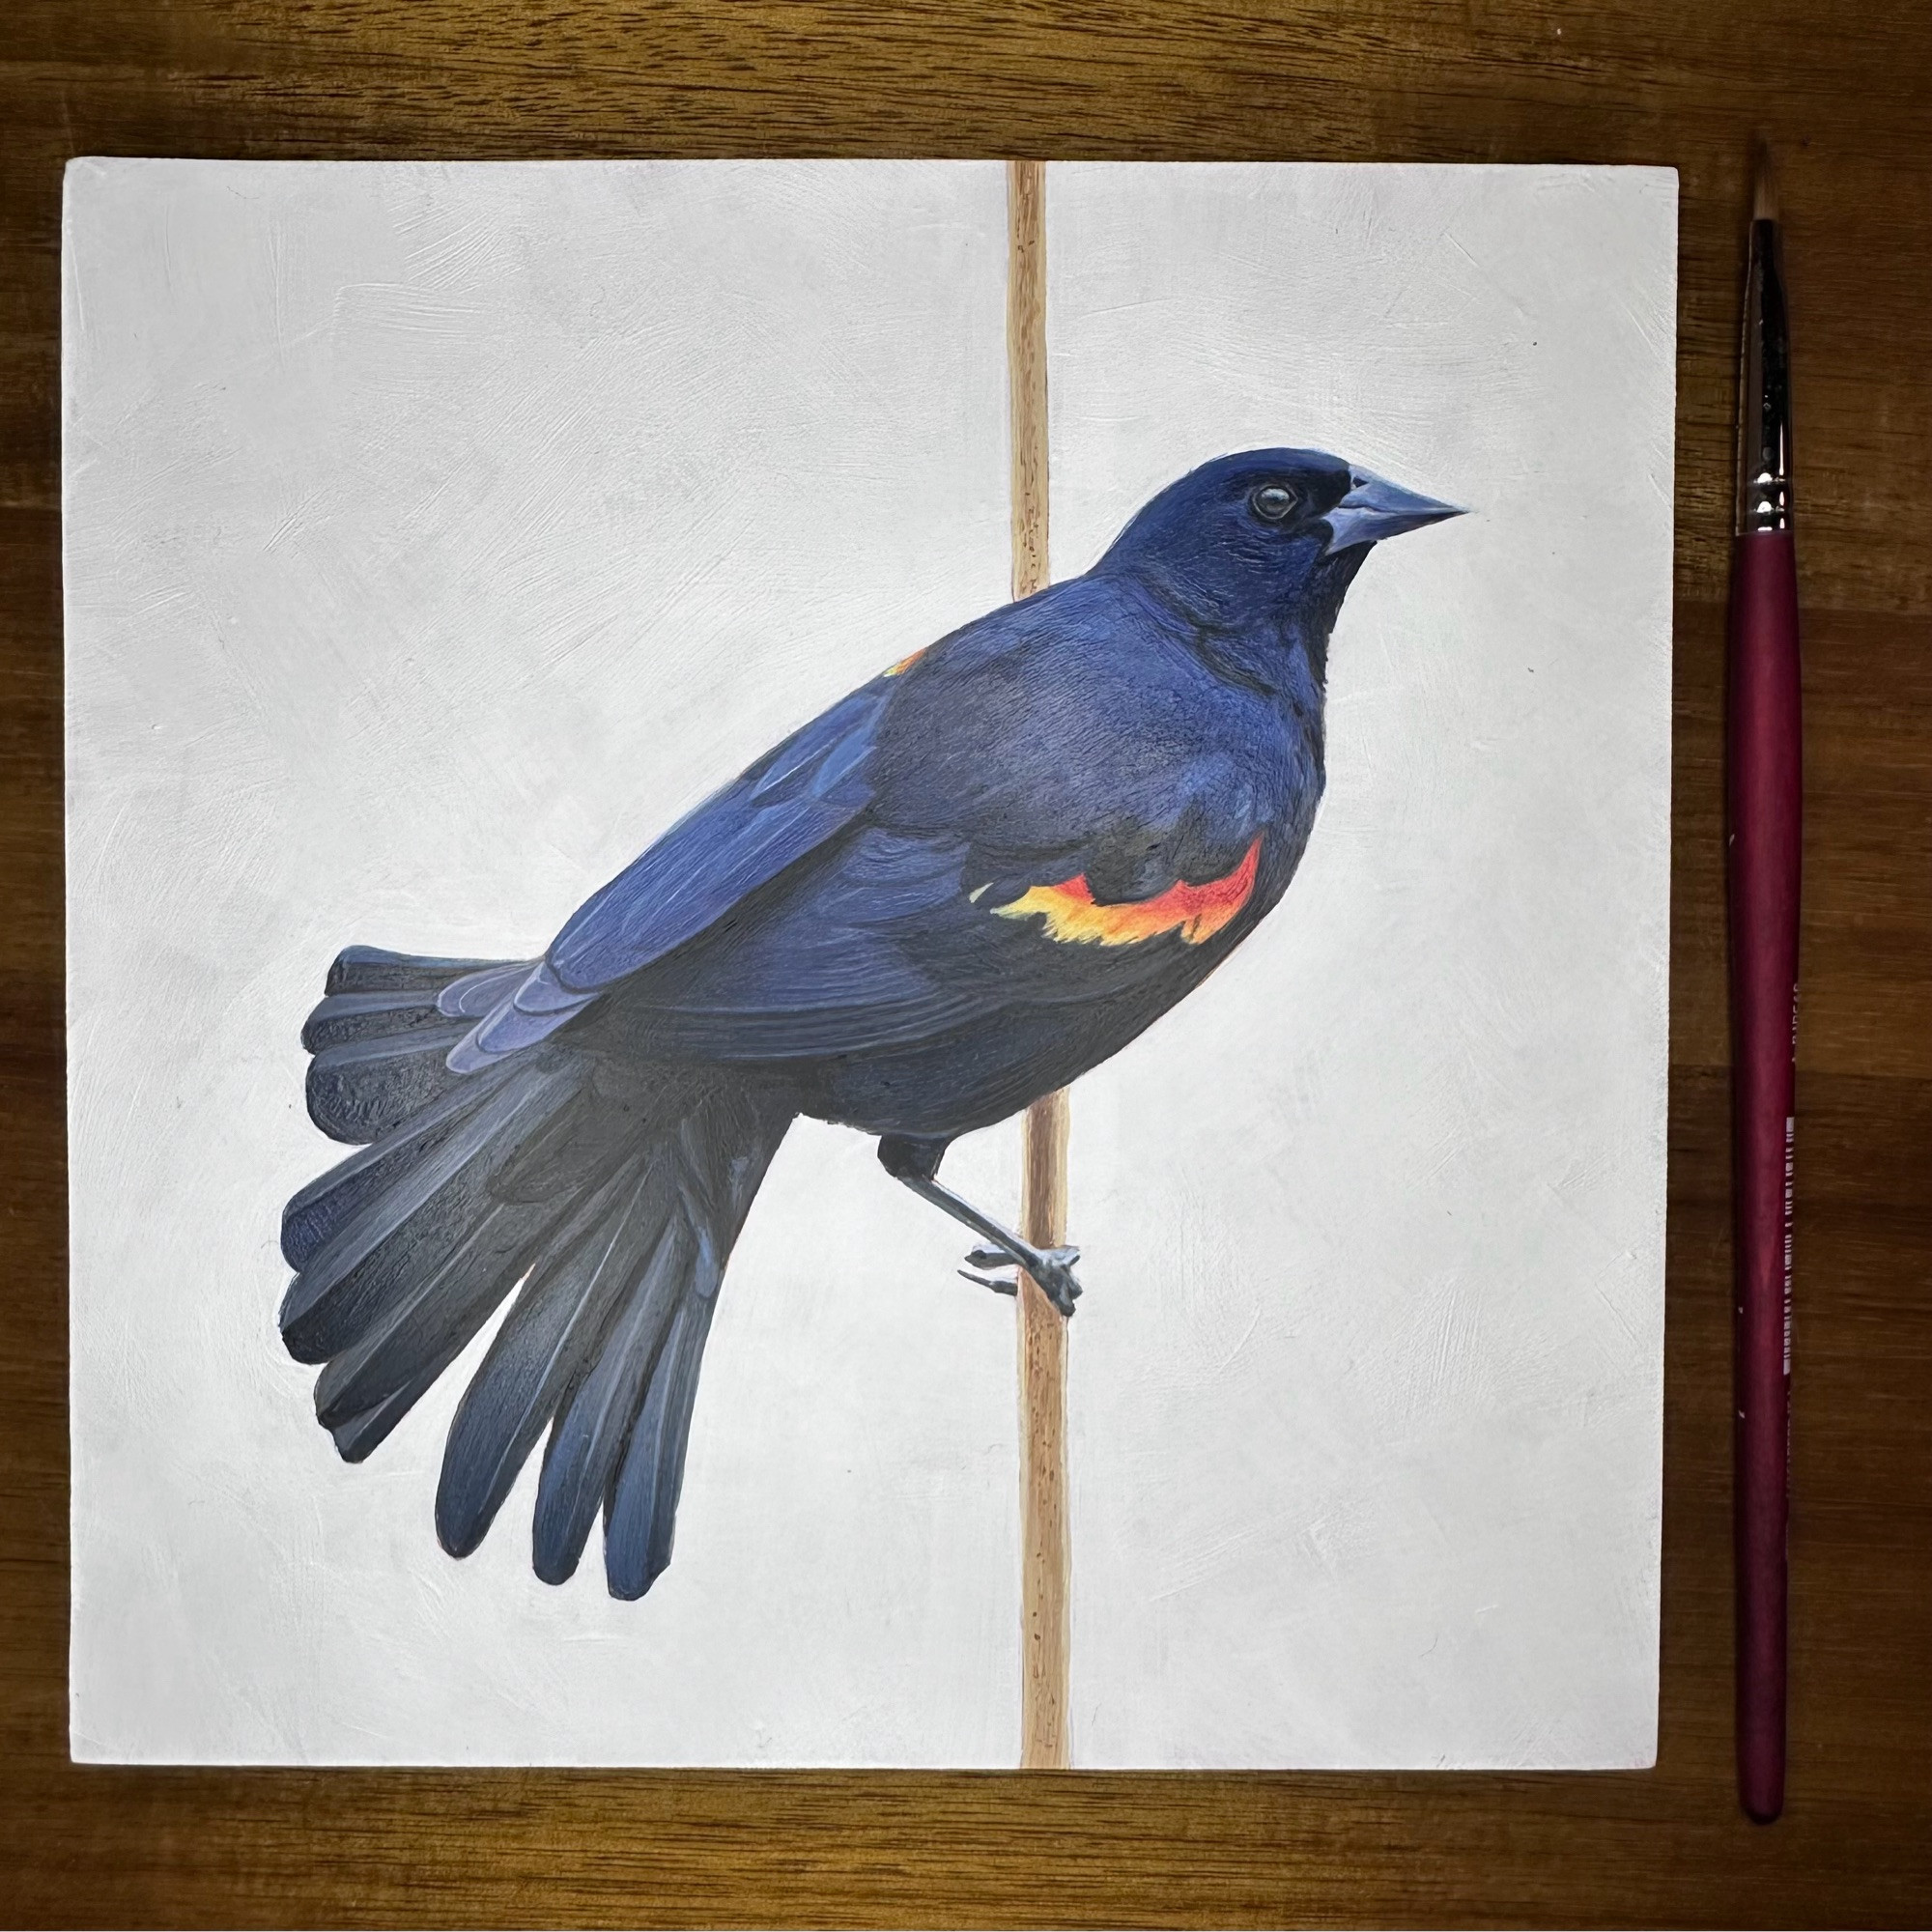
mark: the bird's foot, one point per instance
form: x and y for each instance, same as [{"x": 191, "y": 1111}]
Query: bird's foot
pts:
[{"x": 1052, "y": 1269}]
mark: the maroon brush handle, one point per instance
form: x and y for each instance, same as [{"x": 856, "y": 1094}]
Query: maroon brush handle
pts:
[{"x": 1766, "y": 792}]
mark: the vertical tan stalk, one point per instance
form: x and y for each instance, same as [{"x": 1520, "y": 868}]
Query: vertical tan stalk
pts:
[{"x": 1042, "y": 1333}]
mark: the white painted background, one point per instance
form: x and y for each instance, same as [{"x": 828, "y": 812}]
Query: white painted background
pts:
[
  {"x": 1366, "y": 1455},
  {"x": 435, "y": 534}
]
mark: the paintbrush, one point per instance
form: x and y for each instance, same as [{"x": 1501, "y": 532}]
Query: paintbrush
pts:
[{"x": 1765, "y": 773}]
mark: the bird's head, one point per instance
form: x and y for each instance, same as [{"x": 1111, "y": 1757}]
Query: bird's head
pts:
[{"x": 1267, "y": 535}]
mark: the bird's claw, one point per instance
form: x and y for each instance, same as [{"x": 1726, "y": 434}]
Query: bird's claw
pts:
[
  {"x": 1052, "y": 1269},
  {"x": 998, "y": 1284}
]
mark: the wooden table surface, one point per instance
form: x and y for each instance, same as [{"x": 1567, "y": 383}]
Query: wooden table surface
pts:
[{"x": 1845, "y": 91}]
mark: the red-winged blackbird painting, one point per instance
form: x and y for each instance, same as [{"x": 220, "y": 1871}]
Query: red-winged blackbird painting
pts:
[{"x": 961, "y": 886}]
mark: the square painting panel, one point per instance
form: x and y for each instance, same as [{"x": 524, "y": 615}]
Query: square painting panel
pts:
[{"x": 437, "y": 537}]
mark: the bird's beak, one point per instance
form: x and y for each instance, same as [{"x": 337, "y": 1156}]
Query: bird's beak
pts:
[{"x": 1376, "y": 508}]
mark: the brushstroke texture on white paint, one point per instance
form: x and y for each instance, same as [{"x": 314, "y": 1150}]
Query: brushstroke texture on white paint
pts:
[
  {"x": 1366, "y": 1451},
  {"x": 434, "y": 537}
]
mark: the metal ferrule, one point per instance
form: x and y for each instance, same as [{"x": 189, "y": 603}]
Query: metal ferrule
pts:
[{"x": 1764, "y": 400}]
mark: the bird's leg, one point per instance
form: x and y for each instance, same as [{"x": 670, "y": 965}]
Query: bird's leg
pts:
[{"x": 916, "y": 1162}]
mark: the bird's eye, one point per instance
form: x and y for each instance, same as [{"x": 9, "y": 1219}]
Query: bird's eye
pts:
[{"x": 1274, "y": 502}]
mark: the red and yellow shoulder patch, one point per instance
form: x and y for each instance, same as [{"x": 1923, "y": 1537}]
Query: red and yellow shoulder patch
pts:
[{"x": 1073, "y": 915}]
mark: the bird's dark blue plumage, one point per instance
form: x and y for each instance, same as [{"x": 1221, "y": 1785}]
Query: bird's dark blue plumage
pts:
[{"x": 961, "y": 886}]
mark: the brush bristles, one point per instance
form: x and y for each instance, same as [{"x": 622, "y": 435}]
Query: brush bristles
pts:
[{"x": 1764, "y": 186}]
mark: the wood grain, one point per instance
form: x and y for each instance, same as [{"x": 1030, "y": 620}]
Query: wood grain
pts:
[
  {"x": 1046, "y": 1557},
  {"x": 1026, "y": 371},
  {"x": 1842, "y": 93}
]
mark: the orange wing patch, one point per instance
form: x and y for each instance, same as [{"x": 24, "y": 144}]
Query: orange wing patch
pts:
[
  {"x": 1196, "y": 911},
  {"x": 906, "y": 663}
]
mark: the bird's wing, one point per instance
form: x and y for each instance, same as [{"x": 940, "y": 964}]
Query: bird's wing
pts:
[
  {"x": 883, "y": 939},
  {"x": 1055, "y": 803},
  {"x": 1065, "y": 805},
  {"x": 798, "y": 796}
]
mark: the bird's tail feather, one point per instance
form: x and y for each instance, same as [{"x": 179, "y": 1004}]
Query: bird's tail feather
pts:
[
  {"x": 613, "y": 1195},
  {"x": 380, "y": 1039}
]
